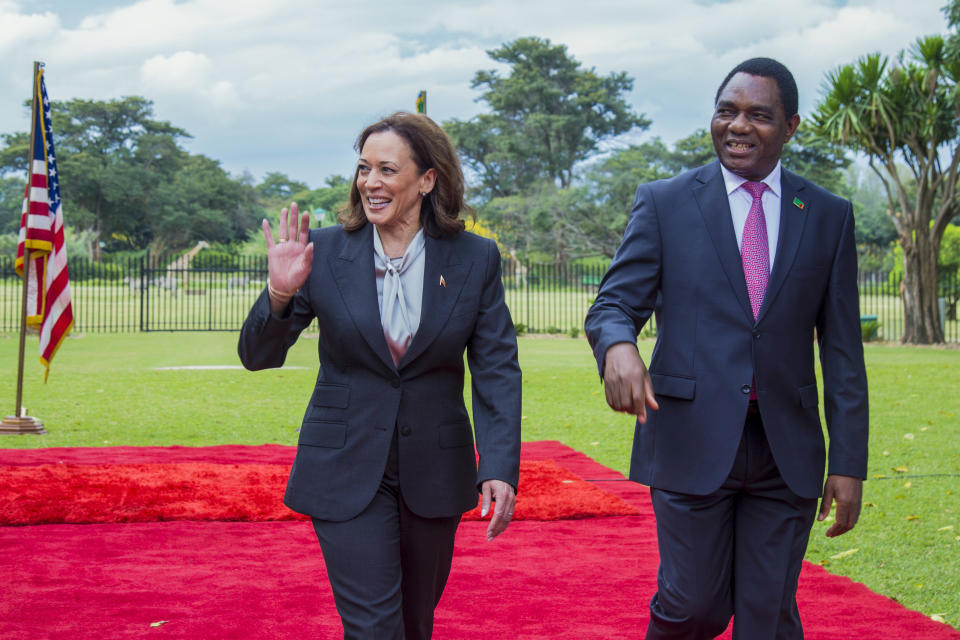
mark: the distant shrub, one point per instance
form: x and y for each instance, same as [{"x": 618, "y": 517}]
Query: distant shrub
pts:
[
  {"x": 870, "y": 330},
  {"x": 215, "y": 258}
]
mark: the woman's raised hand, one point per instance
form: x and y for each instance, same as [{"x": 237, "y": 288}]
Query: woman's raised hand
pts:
[{"x": 290, "y": 257}]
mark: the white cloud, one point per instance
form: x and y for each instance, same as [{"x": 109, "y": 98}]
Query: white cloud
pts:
[
  {"x": 184, "y": 70},
  {"x": 187, "y": 82},
  {"x": 18, "y": 29},
  {"x": 287, "y": 84}
]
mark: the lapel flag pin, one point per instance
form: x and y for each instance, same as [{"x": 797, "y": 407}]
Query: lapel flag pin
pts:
[
  {"x": 443, "y": 283},
  {"x": 798, "y": 203}
]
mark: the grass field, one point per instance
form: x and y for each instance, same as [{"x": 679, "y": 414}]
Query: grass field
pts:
[{"x": 110, "y": 390}]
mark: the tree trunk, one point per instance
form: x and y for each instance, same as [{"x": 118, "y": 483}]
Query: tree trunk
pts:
[
  {"x": 921, "y": 313},
  {"x": 96, "y": 255}
]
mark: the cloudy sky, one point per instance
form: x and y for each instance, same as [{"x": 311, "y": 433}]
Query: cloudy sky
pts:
[{"x": 286, "y": 85}]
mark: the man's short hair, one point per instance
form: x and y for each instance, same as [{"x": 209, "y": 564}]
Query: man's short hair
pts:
[{"x": 768, "y": 68}]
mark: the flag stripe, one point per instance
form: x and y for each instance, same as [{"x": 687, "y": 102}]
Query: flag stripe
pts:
[{"x": 41, "y": 233}]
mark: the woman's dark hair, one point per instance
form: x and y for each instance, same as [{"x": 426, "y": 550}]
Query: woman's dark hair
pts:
[{"x": 431, "y": 149}]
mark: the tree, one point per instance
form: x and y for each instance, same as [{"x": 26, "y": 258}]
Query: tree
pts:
[
  {"x": 112, "y": 157},
  {"x": 816, "y": 158},
  {"x": 278, "y": 186},
  {"x": 201, "y": 202},
  {"x": 547, "y": 115},
  {"x": 900, "y": 115},
  {"x": 695, "y": 150},
  {"x": 11, "y": 203},
  {"x": 128, "y": 184},
  {"x": 610, "y": 186},
  {"x": 326, "y": 201},
  {"x": 948, "y": 268},
  {"x": 874, "y": 231}
]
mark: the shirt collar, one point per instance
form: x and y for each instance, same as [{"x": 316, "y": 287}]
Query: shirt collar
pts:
[{"x": 732, "y": 181}]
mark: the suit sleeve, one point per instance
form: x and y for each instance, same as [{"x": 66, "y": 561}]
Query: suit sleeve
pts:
[
  {"x": 265, "y": 338},
  {"x": 628, "y": 291},
  {"x": 841, "y": 359},
  {"x": 495, "y": 380}
]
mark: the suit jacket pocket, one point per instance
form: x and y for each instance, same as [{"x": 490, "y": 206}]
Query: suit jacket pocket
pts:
[
  {"x": 319, "y": 433},
  {"x": 674, "y": 386},
  {"x": 455, "y": 435},
  {"x": 808, "y": 396},
  {"x": 331, "y": 395}
]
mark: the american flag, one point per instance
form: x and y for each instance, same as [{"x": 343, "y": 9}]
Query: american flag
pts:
[{"x": 41, "y": 232}]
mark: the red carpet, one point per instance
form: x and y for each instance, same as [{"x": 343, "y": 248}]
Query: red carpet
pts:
[
  {"x": 153, "y": 492},
  {"x": 584, "y": 579}
]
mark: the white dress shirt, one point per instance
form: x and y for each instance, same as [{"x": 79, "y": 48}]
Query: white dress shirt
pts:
[{"x": 741, "y": 200}]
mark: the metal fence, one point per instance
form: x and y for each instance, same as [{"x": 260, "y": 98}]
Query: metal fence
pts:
[{"x": 215, "y": 293}]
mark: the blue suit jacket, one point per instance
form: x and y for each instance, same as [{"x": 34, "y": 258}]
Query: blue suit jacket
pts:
[
  {"x": 361, "y": 398},
  {"x": 679, "y": 258}
]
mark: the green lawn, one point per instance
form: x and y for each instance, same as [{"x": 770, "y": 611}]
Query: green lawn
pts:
[{"x": 106, "y": 390}]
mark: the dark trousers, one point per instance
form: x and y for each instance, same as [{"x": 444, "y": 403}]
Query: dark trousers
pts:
[
  {"x": 737, "y": 551},
  {"x": 387, "y": 566}
]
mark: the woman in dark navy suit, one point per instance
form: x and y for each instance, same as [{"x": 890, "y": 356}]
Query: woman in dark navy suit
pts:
[{"x": 385, "y": 462}]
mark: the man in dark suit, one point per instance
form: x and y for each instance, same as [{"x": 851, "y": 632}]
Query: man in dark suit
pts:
[{"x": 744, "y": 264}]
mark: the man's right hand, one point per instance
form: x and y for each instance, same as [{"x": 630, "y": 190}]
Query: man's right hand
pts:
[{"x": 627, "y": 382}]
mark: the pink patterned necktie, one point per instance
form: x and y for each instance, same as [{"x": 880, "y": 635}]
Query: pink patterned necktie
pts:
[{"x": 754, "y": 247}]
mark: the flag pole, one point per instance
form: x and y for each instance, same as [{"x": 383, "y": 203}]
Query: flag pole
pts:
[{"x": 18, "y": 423}]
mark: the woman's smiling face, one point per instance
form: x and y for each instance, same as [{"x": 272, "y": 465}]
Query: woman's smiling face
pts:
[{"x": 389, "y": 181}]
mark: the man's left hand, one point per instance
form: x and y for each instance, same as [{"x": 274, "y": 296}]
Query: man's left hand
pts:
[
  {"x": 504, "y": 497},
  {"x": 848, "y": 492}
]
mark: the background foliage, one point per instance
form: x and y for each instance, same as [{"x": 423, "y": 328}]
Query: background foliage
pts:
[{"x": 553, "y": 158}]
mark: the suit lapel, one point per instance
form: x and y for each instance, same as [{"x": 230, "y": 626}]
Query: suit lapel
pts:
[
  {"x": 792, "y": 221},
  {"x": 711, "y": 197},
  {"x": 356, "y": 280},
  {"x": 442, "y": 260}
]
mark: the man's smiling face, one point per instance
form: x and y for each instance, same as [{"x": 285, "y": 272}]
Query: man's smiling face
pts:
[{"x": 749, "y": 126}]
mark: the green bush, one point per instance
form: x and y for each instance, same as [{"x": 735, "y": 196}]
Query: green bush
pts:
[
  {"x": 83, "y": 269},
  {"x": 574, "y": 332},
  {"x": 870, "y": 330},
  {"x": 215, "y": 258},
  {"x": 520, "y": 328}
]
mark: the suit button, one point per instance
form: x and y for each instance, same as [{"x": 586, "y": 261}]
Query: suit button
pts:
[
  {"x": 405, "y": 430},
  {"x": 745, "y": 389},
  {"x": 756, "y": 334},
  {"x": 395, "y": 383}
]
